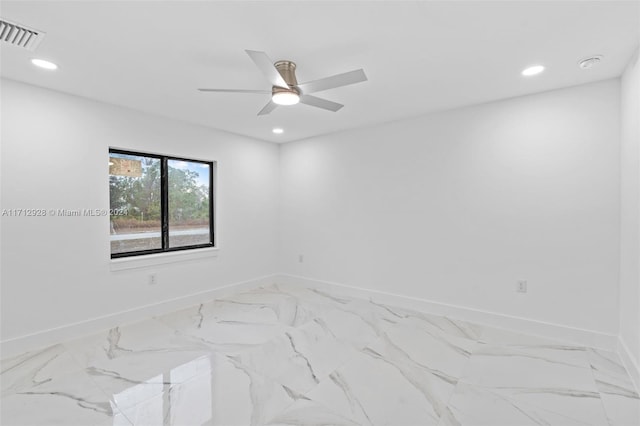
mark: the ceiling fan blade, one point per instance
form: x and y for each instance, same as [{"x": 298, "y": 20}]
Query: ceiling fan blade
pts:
[
  {"x": 265, "y": 64},
  {"x": 320, "y": 103},
  {"x": 263, "y": 92},
  {"x": 338, "y": 80},
  {"x": 268, "y": 108}
]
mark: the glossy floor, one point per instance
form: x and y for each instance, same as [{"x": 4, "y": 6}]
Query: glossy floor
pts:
[{"x": 295, "y": 356}]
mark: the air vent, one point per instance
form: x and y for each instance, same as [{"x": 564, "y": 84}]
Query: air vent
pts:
[{"x": 19, "y": 35}]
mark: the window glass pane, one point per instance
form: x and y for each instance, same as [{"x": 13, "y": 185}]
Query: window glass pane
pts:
[
  {"x": 134, "y": 189},
  {"x": 189, "y": 221}
]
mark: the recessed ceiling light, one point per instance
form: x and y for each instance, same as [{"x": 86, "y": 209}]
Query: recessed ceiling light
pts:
[
  {"x": 533, "y": 70},
  {"x": 278, "y": 130},
  {"x": 589, "y": 62},
  {"x": 44, "y": 64}
]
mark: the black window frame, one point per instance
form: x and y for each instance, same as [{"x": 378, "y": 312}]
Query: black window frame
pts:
[{"x": 164, "y": 204}]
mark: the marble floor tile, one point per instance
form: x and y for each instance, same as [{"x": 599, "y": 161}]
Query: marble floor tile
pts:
[
  {"x": 307, "y": 412},
  {"x": 421, "y": 342},
  {"x": 48, "y": 387},
  {"x": 620, "y": 399},
  {"x": 508, "y": 366},
  {"x": 439, "y": 325},
  {"x": 472, "y": 405},
  {"x": 32, "y": 369},
  {"x": 312, "y": 297},
  {"x": 291, "y": 355},
  {"x": 147, "y": 354},
  {"x": 381, "y": 389},
  {"x": 550, "y": 348},
  {"x": 287, "y": 308},
  {"x": 225, "y": 327},
  {"x": 300, "y": 358},
  {"x": 551, "y": 379},
  {"x": 621, "y": 410},
  {"x": 228, "y": 395},
  {"x": 348, "y": 326}
]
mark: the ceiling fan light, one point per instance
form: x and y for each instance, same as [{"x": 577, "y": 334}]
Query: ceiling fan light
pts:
[{"x": 285, "y": 98}]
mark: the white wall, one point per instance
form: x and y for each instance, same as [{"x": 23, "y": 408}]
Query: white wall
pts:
[
  {"x": 457, "y": 206},
  {"x": 453, "y": 207},
  {"x": 630, "y": 213},
  {"x": 55, "y": 270}
]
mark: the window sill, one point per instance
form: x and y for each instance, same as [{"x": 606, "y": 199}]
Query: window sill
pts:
[{"x": 148, "y": 260}]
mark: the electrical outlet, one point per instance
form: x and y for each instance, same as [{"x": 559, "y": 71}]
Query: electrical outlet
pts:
[
  {"x": 301, "y": 258},
  {"x": 522, "y": 286},
  {"x": 153, "y": 279}
]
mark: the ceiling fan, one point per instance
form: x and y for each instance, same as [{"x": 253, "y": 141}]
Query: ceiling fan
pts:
[{"x": 285, "y": 89}]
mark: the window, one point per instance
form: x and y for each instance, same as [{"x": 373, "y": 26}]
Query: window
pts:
[{"x": 159, "y": 203}]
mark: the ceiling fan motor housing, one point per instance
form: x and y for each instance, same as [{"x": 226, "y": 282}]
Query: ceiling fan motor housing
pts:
[{"x": 287, "y": 70}]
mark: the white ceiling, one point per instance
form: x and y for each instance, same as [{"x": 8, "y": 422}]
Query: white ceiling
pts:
[{"x": 420, "y": 56}]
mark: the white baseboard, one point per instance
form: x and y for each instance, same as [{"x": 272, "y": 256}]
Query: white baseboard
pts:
[
  {"x": 524, "y": 325},
  {"x": 629, "y": 362},
  {"x": 18, "y": 345}
]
